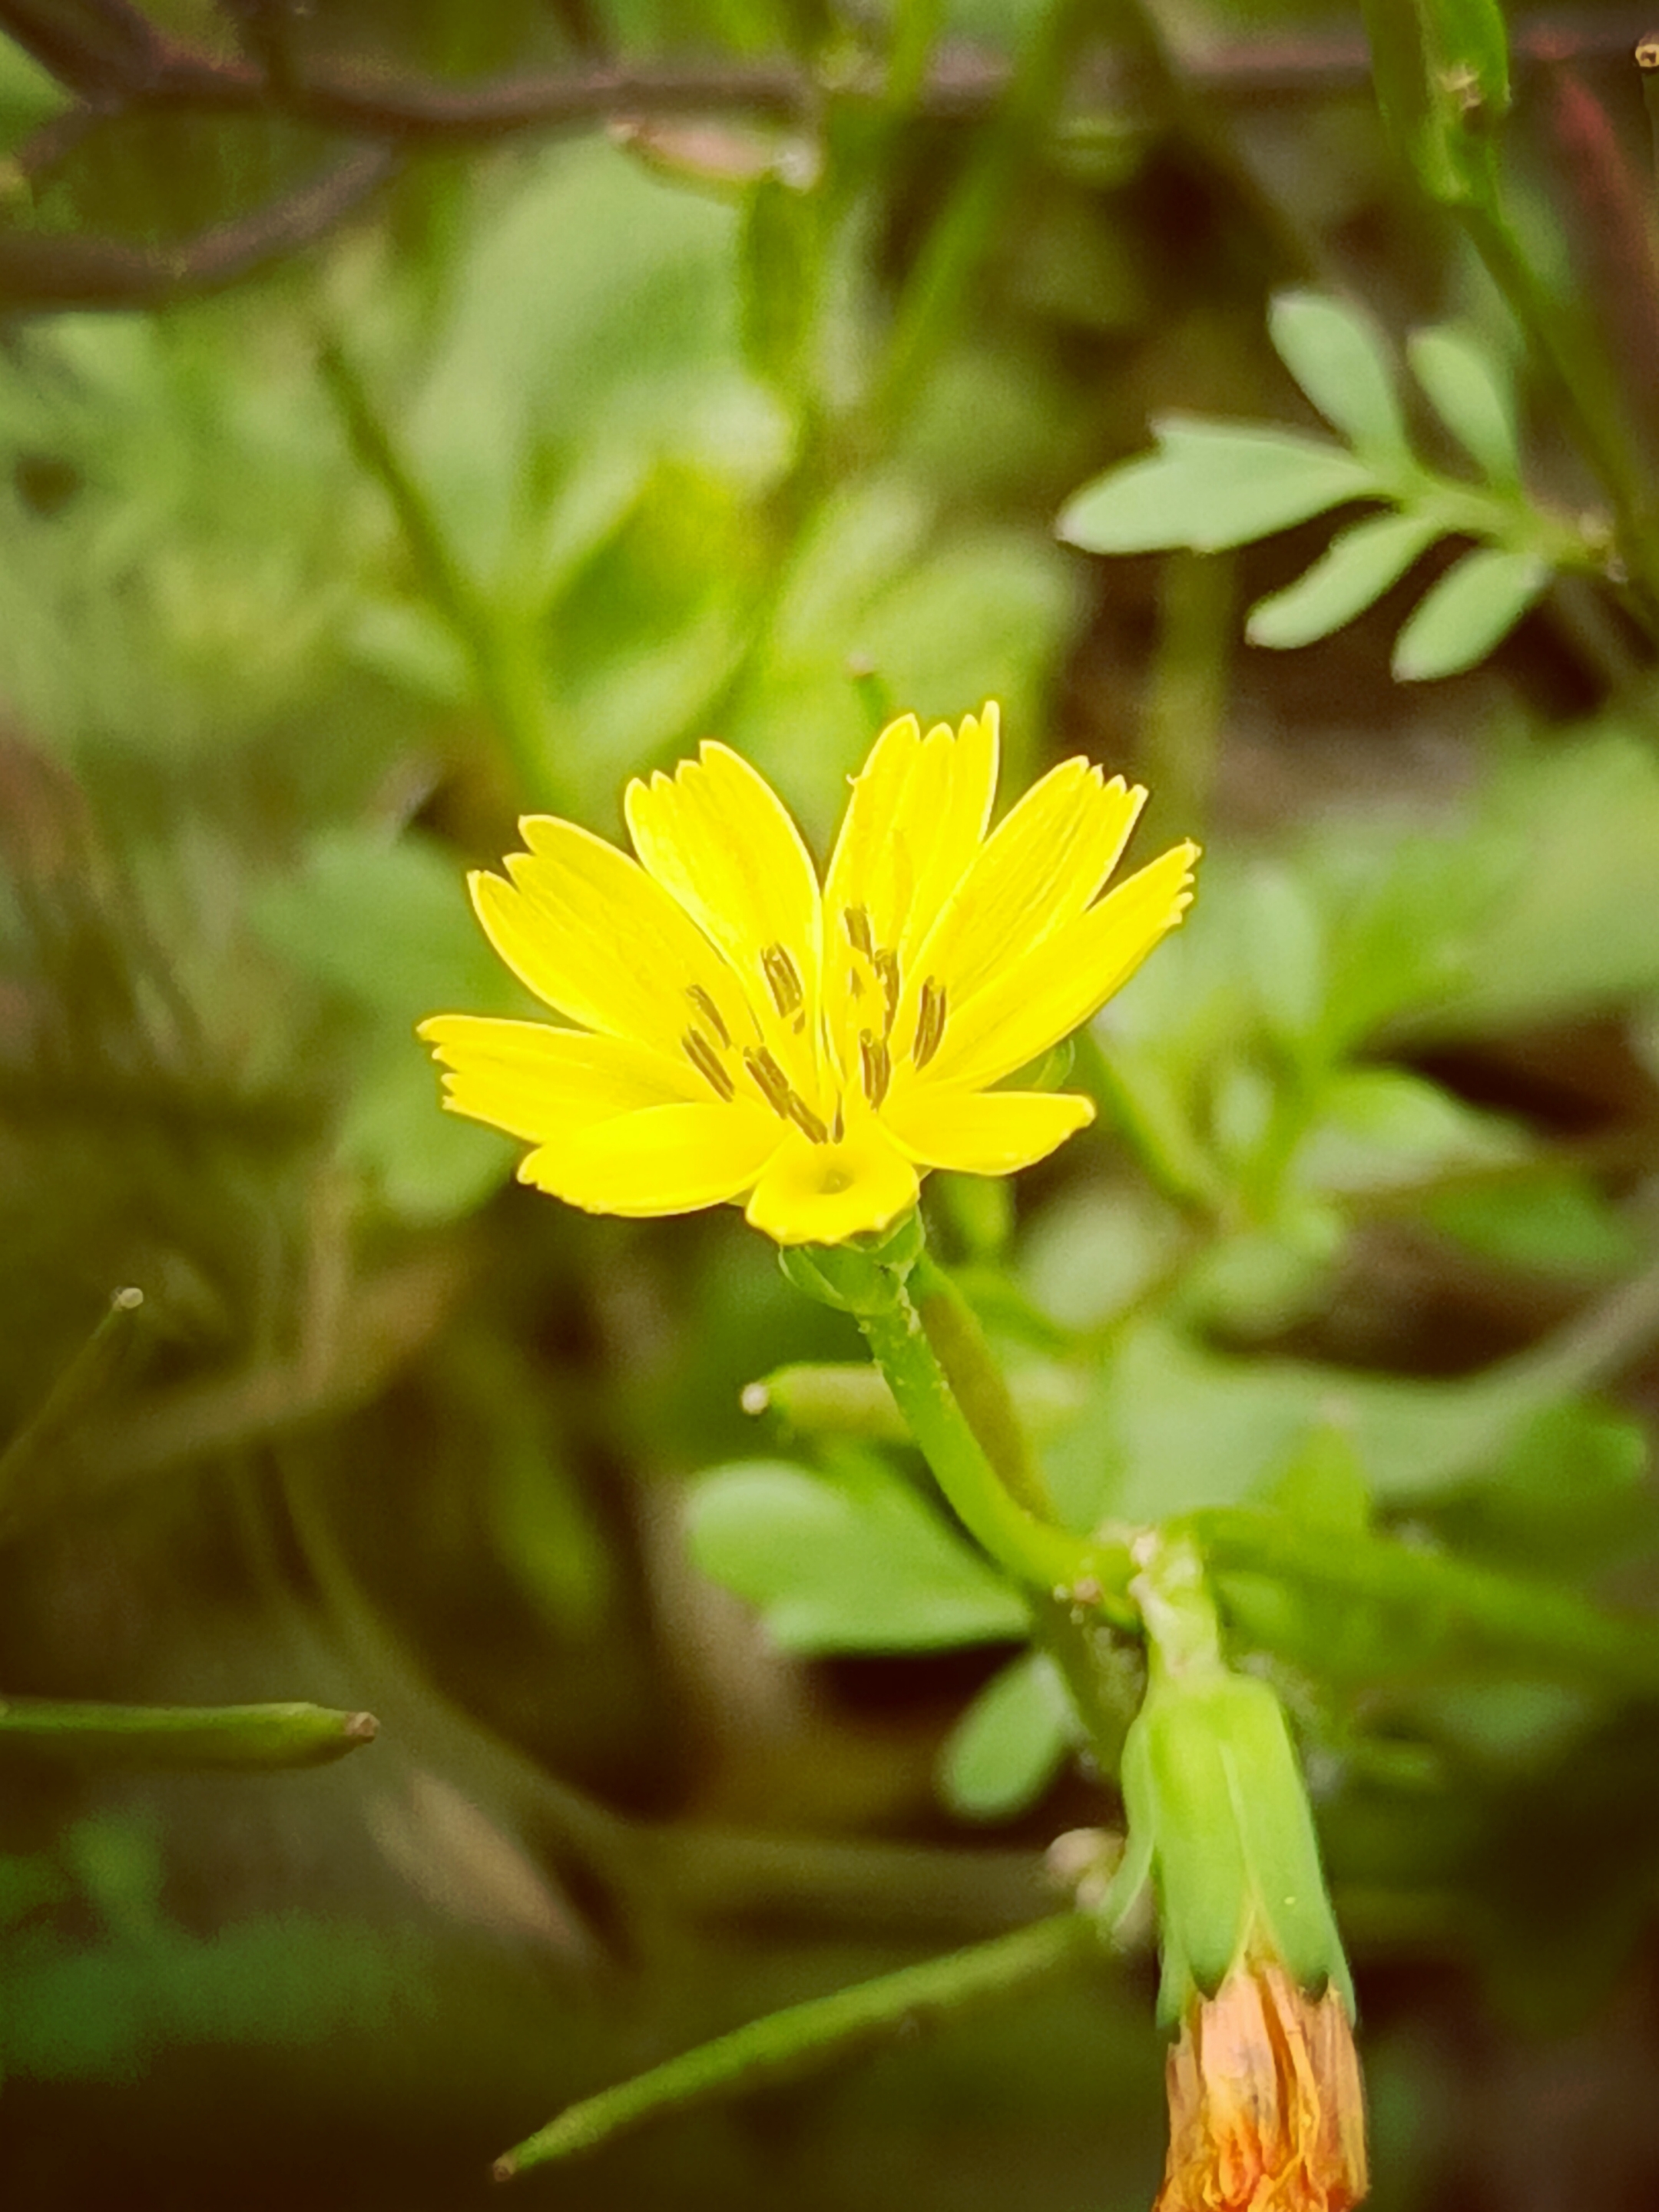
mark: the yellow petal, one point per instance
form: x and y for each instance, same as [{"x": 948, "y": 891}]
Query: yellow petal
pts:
[
  {"x": 590, "y": 932},
  {"x": 662, "y": 1160},
  {"x": 1038, "y": 871},
  {"x": 984, "y": 1132},
  {"x": 823, "y": 1193},
  {"x": 536, "y": 1082},
  {"x": 717, "y": 837},
  {"x": 917, "y": 818},
  {"x": 1056, "y": 988}
]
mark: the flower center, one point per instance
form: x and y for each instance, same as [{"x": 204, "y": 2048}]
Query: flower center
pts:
[{"x": 873, "y": 986}]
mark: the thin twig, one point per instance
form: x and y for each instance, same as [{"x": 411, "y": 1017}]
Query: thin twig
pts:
[{"x": 41, "y": 271}]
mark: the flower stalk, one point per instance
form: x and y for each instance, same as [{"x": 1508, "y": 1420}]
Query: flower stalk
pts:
[{"x": 874, "y": 1284}]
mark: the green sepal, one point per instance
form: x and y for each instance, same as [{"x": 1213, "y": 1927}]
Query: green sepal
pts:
[
  {"x": 1218, "y": 1813},
  {"x": 858, "y": 1277}
]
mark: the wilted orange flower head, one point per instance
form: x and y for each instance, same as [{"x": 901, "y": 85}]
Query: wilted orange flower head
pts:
[{"x": 1266, "y": 2113}]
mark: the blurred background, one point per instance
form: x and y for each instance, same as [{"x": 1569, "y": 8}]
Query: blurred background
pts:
[{"x": 414, "y": 415}]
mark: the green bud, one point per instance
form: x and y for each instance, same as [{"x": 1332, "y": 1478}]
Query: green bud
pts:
[{"x": 1219, "y": 1814}]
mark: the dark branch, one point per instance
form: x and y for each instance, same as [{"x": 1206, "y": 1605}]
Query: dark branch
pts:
[
  {"x": 117, "y": 62},
  {"x": 40, "y": 271}
]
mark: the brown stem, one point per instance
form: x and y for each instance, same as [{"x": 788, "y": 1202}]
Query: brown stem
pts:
[{"x": 40, "y": 271}]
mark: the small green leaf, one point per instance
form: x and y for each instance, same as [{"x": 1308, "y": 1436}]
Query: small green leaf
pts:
[
  {"x": 1211, "y": 485},
  {"x": 1471, "y": 397},
  {"x": 1355, "y": 570},
  {"x": 1337, "y": 357},
  {"x": 1011, "y": 1742},
  {"x": 852, "y": 1561},
  {"x": 1472, "y": 609},
  {"x": 1378, "y": 1129},
  {"x": 1555, "y": 1223}
]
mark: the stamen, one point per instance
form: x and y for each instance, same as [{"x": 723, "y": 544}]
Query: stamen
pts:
[
  {"x": 774, "y": 1086},
  {"x": 806, "y": 1121},
  {"x": 707, "y": 1061},
  {"x": 887, "y": 968},
  {"x": 877, "y": 1063},
  {"x": 838, "y": 1127},
  {"x": 929, "y": 1023},
  {"x": 782, "y": 980},
  {"x": 770, "y": 1080},
  {"x": 855, "y": 919},
  {"x": 711, "y": 1013}
]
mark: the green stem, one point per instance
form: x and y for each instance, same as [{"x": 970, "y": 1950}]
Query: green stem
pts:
[
  {"x": 89, "y": 1375},
  {"x": 978, "y": 1384},
  {"x": 1044, "y": 1558},
  {"x": 1186, "y": 707},
  {"x": 507, "y": 688},
  {"x": 1579, "y": 388},
  {"x": 804, "y": 2037},
  {"x": 1184, "y": 1630},
  {"x": 255, "y": 1737},
  {"x": 941, "y": 280}
]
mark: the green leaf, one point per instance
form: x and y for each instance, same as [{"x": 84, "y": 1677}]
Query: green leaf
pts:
[
  {"x": 386, "y": 927},
  {"x": 1471, "y": 397},
  {"x": 1555, "y": 1223},
  {"x": 851, "y": 1561},
  {"x": 1211, "y": 485},
  {"x": 1337, "y": 357},
  {"x": 1472, "y": 607},
  {"x": 1356, "y": 568},
  {"x": 1172, "y": 1426},
  {"x": 425, "y": 1165},
  {"x": 1570, "y": 831},
  {"x": 1011, "y": 1742},
  {"x": 387, "y": 924},
  {"x": 1377, "y": 1129}
]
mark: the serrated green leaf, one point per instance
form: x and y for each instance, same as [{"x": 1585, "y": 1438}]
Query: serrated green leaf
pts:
[
  {"x": 1337, "y": 357},
  {"x": 852, "y": 1561},
  {"x": 1010, "y": 1744},
  {"x": 1466, "y": 391},
  {"x": 1355, "y": 570},
  {"x": 1472, "y": 608},
  {"x": 1211, "y": 485}
]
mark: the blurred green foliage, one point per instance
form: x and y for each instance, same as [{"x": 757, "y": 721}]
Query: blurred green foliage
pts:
[{"x": 752, "y": 415}]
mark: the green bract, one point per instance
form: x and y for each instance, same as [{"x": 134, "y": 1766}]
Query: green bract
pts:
[{"x": 1219, "y": 1818}]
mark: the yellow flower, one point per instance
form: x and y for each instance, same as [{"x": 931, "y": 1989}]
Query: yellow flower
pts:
[
  {"x": 737, "y": 1033},
  {"x": 1266, "y": 2113}
]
